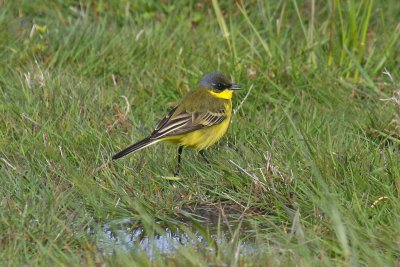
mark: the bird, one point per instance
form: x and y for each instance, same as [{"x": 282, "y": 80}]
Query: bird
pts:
[{"x": 199, "y": 120}]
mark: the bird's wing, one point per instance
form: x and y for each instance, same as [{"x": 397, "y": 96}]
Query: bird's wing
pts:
[
  {"x": 165, "y": 119},
  {"x": 185, "y": 122}
]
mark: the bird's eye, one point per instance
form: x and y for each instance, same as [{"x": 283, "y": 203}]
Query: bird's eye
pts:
[{"x": 219, "y": 86}]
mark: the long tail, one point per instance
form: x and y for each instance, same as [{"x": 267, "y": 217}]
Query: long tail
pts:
[{"x": 135, "y": 147}]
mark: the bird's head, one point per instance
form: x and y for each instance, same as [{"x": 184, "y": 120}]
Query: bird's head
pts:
[{"x": 218, "y": 82}]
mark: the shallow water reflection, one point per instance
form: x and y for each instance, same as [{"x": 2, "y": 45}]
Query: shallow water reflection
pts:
[{"x": 127, "y": 236}]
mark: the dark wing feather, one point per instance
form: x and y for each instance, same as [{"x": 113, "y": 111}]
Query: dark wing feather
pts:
[
  {"x": 185, "y": 122},
  {"x": 165, "y": 119}
]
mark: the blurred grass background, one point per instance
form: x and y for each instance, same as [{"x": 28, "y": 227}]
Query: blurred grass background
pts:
[{"x": 310, "y": 165}]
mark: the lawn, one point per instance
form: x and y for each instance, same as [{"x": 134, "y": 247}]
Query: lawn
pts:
[{"x": 308, "y": 173}]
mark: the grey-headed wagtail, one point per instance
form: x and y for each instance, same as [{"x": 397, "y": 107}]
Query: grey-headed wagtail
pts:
[{"x": 198, "y": 121}]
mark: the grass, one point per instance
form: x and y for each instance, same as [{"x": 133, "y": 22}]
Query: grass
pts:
[{"x": 308, "y": 174}]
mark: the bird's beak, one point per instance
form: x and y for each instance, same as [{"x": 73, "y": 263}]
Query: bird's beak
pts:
[{"x": 235, "y": 86}]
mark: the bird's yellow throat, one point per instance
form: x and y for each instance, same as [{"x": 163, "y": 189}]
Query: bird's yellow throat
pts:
[{"x": 226, "y": 94}]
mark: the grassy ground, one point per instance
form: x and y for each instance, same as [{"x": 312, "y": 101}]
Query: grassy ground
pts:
[{"x": 308, "y": 174}]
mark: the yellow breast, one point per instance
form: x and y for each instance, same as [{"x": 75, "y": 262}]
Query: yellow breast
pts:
[{"x": 204, "y": 138}]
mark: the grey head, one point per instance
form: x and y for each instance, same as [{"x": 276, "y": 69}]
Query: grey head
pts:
[{"x": 218, "y": 82}]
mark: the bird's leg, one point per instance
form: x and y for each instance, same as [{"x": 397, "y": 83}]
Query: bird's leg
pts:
[
  {"x": 180, "y": 149},
  {"x": 202, "y": 153}
]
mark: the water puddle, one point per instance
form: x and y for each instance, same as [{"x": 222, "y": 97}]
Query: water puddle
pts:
[{"x": 207, "y": 231}]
